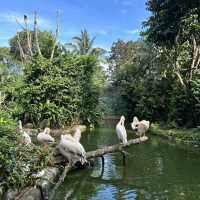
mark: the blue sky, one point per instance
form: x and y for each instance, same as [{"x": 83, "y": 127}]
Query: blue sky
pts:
[{"x": 108, "y": 20}]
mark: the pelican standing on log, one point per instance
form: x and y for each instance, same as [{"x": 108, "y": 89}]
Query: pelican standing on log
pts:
[
  {"x": 72, "y": 149},
  {"x": 26, "y": 137},
  {"x": 121, "y": 131},
  {"x": 140, "y": 127}
]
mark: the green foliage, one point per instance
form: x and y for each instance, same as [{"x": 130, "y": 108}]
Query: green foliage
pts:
[
  {"x": 17, "y": 161},
  {"x": 149, "y": 88},
  {"x": 7, "y": 125},
  {"x": 83, "y": 45},
  {"x": 164, "y": 23},
  {"x": 139, "y": 83},
  {"x": 56, "y": 92},
  {"x": 183, "y": 135},
  {"x": 64, "y": 91},
  {"x": 158, "y": 78}
]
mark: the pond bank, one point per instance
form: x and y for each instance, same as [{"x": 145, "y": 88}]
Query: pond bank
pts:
[
  {"x": 189, "y": 136},
  {"x": 44, "y": 185}
]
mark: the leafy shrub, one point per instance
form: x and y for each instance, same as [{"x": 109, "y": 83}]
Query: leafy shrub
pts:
[
  {"x": 17, "y": 161},
  {"x": 63, "y": 91},
  {"x": 7, "y": 125}
]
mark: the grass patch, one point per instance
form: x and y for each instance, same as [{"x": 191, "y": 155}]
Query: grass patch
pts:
[{"x": 183, "y": 135}]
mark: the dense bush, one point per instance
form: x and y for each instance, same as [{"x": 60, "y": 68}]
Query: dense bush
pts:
[
  {"x": 157, "y": 78},
  {"x": 63, "y": 91},
  {"x": 17, "y": 161}
]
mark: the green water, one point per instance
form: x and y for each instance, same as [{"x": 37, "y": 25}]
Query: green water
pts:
[{"x": 154, "y": 170}]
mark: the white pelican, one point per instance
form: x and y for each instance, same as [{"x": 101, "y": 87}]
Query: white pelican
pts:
[
  {"x": 25, "y": 135},
  {"x": 121, "y": 131},
  {"x": 45, "y": 137},
  {"x": 140, "y": 127},
  {"x": 72, "y": 149}
]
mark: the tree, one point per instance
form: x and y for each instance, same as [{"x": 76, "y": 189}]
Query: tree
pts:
[
  {"x": 62, "y": 92},
  {"x": 83, "y": 45},
  {"x": 164, "y": 23},
  {"x": 46, "y": 42},
  {"x": 26, "y": 43}
]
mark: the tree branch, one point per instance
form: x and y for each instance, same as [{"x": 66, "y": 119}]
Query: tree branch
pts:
[
  {"x": 56, "y": 36},
  {"x": 28, "y": 35},
  {"x": 114, "y": 148},
  {"x": 178, "y": 74},
  {"x": 194, "y": 58},
  {"x": 21, "y": 51},
  {"x": 36, "y": 34},
  {"x": 57, "y": 158},
  {"x": 60, "y": 181}
]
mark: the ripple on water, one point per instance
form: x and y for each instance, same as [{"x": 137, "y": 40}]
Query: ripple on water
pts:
[
  {"x": 129, "y": 194},
  {"x": 105, "y": 192}
]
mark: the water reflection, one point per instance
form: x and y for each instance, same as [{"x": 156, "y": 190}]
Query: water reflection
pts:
[{"x": 154, "y": 170}]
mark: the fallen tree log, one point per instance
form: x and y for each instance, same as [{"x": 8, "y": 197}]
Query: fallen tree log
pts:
[
  {"x": 57, "y": 158},
  {"x": 114, "y": 148}
]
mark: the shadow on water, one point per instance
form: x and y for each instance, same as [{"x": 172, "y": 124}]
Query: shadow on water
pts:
[{"x": 154, "y": 170}]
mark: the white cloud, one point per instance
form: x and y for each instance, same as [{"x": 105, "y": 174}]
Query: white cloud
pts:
[
  {"x": 134, "y": 31},
  {"x": 11, "y": 18}
]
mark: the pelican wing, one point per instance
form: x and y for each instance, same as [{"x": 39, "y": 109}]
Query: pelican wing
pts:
[
  {"x": 42, "y": 137},
  {"x": 71, "y": 145},
  {"x": 142, "y": 128},
  {"x": 121, "y": 133},
  {"x": 72, "y": 149},
  {"x": 48, "y": 138},
  {"x": 146, "y": 123}
]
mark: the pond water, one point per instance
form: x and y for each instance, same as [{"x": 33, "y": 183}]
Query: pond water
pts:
[{"x": 154, "y": 170}]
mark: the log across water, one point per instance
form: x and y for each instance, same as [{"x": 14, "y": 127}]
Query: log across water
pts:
[{"x": 114, "y": 148}]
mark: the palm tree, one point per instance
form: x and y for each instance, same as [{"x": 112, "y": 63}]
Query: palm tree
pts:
[{"x": 83, "y": 45}]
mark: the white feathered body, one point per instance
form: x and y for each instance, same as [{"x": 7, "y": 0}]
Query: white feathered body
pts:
[
  {"x": 25, "y": 135},
  {"x": 140, "y": 127},
  {"x": 121, "y": 132},
  {"x": 146, "y": 123},
  {"x": 73, "y": 150},
  {"x": 45, "y": 137},
  {"x": 26, "y": 138}
]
